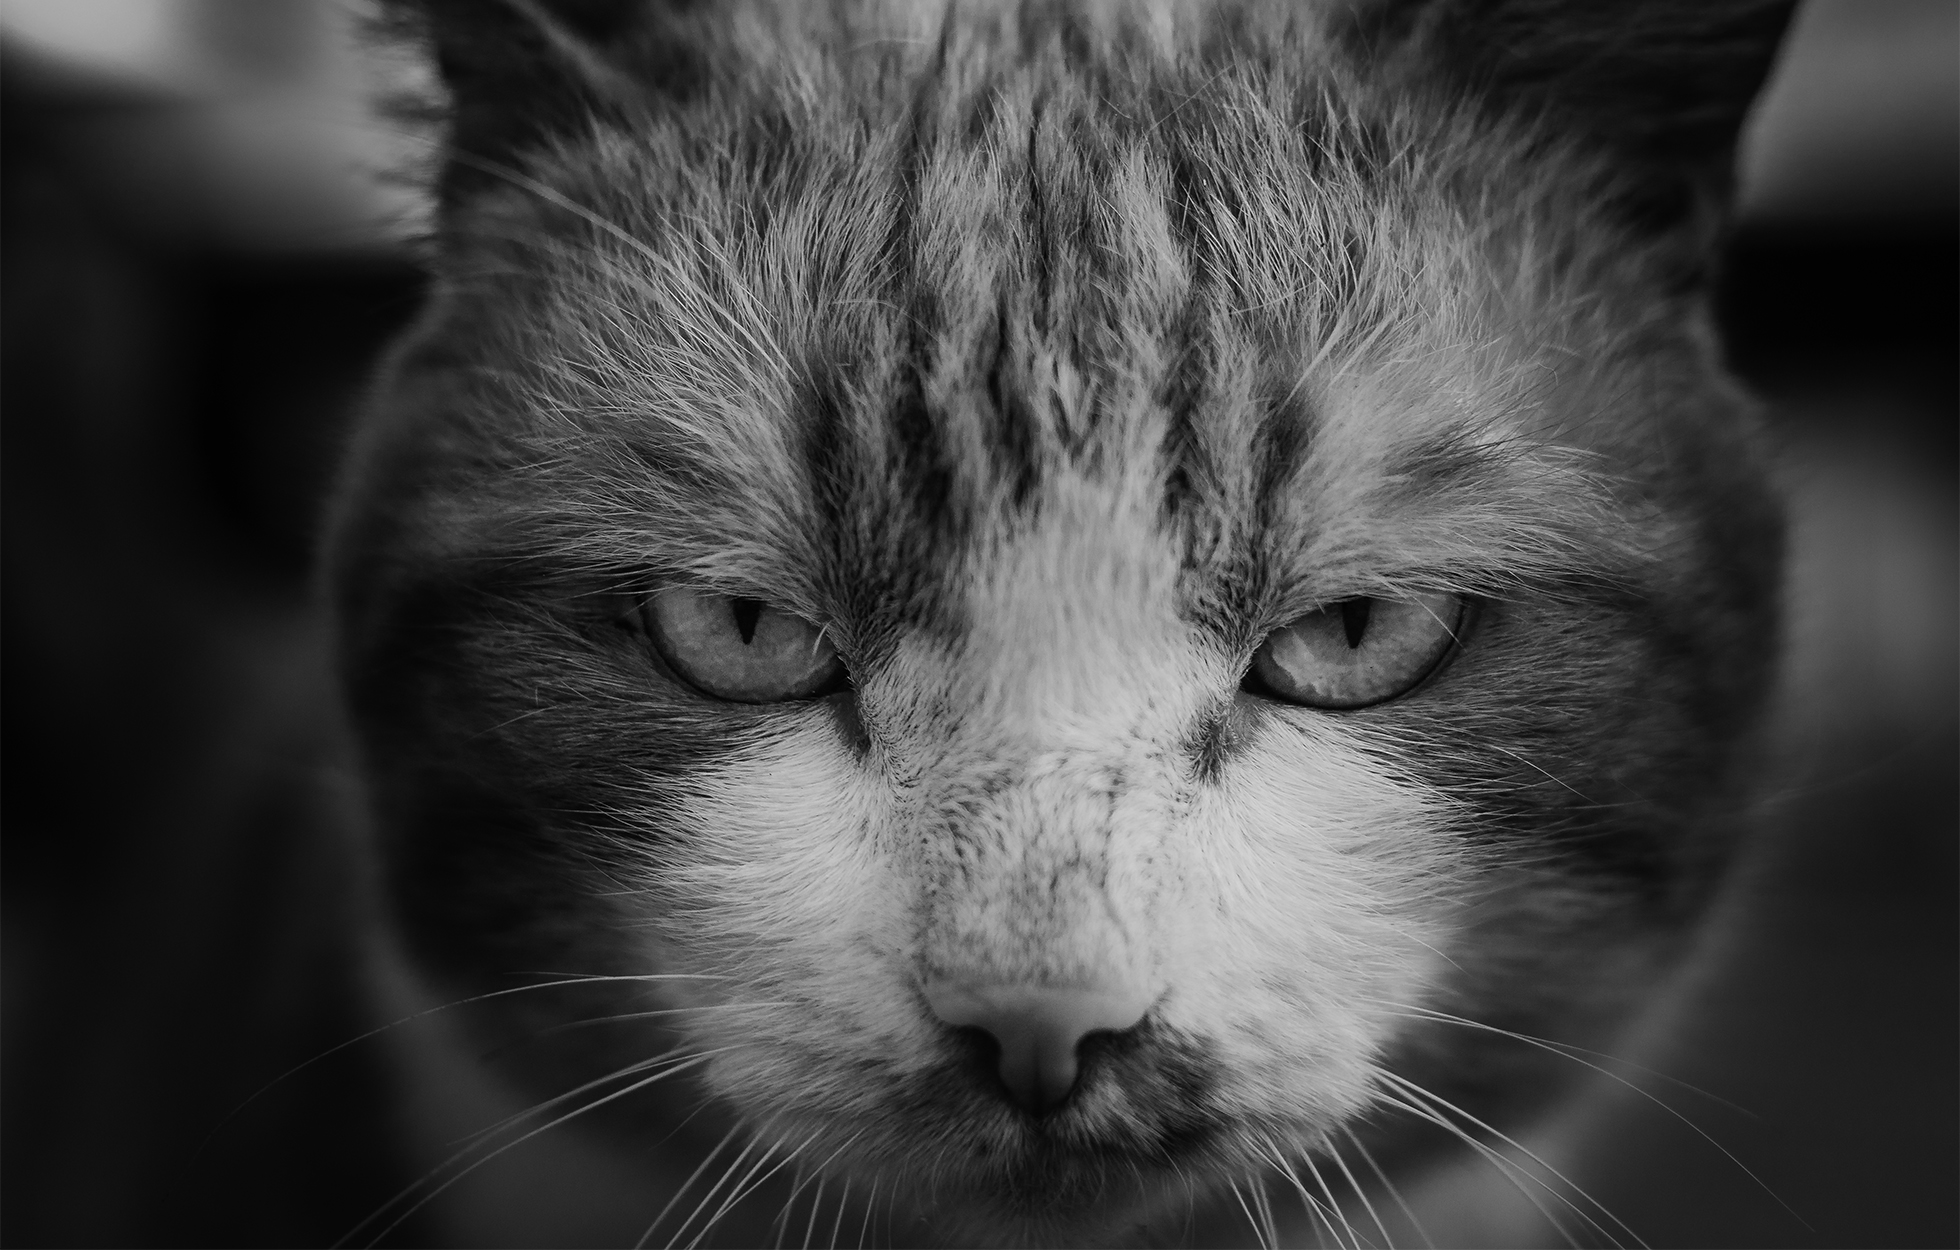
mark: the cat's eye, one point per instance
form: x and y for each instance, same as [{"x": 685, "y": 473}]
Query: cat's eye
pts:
[
  {"x": 1356, "y": 652},
  {"x": 744, "y": 650}
]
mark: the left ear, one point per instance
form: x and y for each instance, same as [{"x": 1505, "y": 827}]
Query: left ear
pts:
[
  {"x": 1662, "y": 85},
  {"x": 519, "y": 73}
]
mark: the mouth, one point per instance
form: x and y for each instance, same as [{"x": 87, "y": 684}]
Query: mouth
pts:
[{"x": 1141, "y": 1115}]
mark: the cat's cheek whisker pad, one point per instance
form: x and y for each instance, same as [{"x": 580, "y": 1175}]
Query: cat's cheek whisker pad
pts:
[{"x": 1076, "y": 623}]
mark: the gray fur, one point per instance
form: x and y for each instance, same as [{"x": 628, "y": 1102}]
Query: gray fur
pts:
[{"x": 1050, "y": 358}]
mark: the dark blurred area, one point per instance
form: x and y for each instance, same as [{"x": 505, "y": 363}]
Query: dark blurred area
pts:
[{"x": 199, "y": 272}]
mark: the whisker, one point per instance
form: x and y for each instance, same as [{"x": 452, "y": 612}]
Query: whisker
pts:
[
  {"x": 1573, "y": 1053},
  {"x": 737, "y": 1192},
  {"x": 1535, "y": 767},
  {"x": 656, "y": 1013},
  {"x": 506, "y": 724},
  {"x": 1389, "y": 1185},
  {"x": 793, "y": 1156},
  {"x": 1257, "y": 1231},
  {"x": 816, "y": 1173},
  {"x": 688, "y": 1184},
  {"x": 1264, "y": 1203},
  {"x": 1360, "y": 1193},
  {"x": 843, "y": 1201},
  {"x": 1412, "y": 1088},
  {"x": 631, "y": 1069},
  {"x": 727, "y": 1174},
  {"x": 583, "y": 978},
  {"x": 750, "y": 1184},
  {"x": 379, "y": 1029},
  {"x": 779, "y": 1227},
  {"x": 1309, "y": 1203},
  {"x": 470, "y": 1141},
  {"x": 816, "y": 1205},
  {"x": 1504, "y": 1167},
  {"x": 1333, "y": 1204},
  {"x": 1561, "y": 1049},
  {"x": 678, "y": 1066},
  {"x": 864, "y": 1233}
]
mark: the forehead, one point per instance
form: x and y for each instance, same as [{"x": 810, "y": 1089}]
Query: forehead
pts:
[{"x": 856, "y": 325}]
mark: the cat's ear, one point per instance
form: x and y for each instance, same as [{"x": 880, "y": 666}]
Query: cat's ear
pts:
[
  {"x": 516, "y": 73},
  {"x": 1664, "y": 85}
]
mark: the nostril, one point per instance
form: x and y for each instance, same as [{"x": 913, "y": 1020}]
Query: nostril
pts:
[{"x": 1037, "y": 1028}]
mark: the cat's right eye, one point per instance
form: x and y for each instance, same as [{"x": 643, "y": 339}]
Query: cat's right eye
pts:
[
  {"x": 743, "y": 650},
  {"x": 1358, "y": 652}
]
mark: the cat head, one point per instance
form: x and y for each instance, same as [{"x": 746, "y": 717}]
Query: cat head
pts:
[{"x": 1058, "y": 581}]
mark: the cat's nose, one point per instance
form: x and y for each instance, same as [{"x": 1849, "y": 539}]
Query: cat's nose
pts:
[{"x": 1038, "y": 1027}]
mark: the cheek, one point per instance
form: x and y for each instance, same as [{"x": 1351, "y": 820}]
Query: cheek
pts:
[
  {"x": 1290, "y": 910},
  {"x": 776, "y": 905},
  {"x": 1308, "y": 902}
]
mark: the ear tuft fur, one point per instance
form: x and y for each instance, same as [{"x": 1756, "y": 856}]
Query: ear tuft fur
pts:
[
  {"x": 1663, "y": 86},
  {"x": 519, "y": 72}
]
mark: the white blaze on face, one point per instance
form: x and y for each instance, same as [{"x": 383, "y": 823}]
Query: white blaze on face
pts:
[
  {"x": 1049, "y": 758},
  {"x": 1032, "y": 816}
]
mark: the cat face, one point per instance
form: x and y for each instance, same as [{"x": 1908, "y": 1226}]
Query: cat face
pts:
[{"x": 1056, "y": 588}]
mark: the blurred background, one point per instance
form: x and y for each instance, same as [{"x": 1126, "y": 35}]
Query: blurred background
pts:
[{"x": 200, "y": 265}]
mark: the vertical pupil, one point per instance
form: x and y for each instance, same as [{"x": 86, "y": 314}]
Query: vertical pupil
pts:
[
  {"x": 747, "y": 612},
  {"x": 1354, "y": 620}
]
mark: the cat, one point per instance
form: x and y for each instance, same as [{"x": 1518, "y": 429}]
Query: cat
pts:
[{"x": 1012, "y": 623}]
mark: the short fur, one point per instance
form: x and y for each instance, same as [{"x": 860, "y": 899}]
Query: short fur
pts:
[{"x": 1050, "y": 357}]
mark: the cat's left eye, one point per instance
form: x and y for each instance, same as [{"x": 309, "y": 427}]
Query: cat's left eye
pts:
[
  {"x": 743, "y": 650},
  {"x": 1356, "y": 652}
]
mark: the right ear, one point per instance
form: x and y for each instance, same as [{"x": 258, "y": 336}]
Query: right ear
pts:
[
  {"x": 521, "y": 72},
  {"x": 1660, "y": 86}
]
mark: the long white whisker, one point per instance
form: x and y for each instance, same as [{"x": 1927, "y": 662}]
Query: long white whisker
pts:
[
  {"x": 793, "y": 1156},
  {"x": 583, "y": 978},
  {"x": 1362, "y": 1194},
  {"x": 1504, "y": 1167},
  {"x": 726, "y": 1174},
  {"x": 1250, "y": 1219},
  {"x": 736, "y": 1192},
  {"x": 779, "y": 1226},
  {"x": 1540, "y": 769},
  {"x": 818, "y": 1173},
  {"x": 871, "y": 1205},
  {"x": 655, "y": 1014},
  {"x": 472, "y": 1141},
  {"x": 1571, "y": 1052},
  {"x": 1308, "y": 1202},
  {"x": 678, "y": 1066},
  {"x": 688, "y": 1184},
  {"x": 1418, "y": 1091},
  {"x": 1333, "y": 1204},
  {"x": 1389, "y": 1185},
  {"x": 816, "y": 1206},
  {"x": 1567, "y": 1052},
  {"x": 379, "y": 1029},
  {"x": 843, "y": 1201},
  {"x": 668, "y": 1057},
  {"x": 1264, "y": 1202},
  {"x": 749, "y": 1184}
]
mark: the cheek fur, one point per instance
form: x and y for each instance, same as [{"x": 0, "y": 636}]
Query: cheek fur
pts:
[
  {"x": 1284, "y": 912},
  {"x": 771, "y": 885},
  {"x": 1314, "y": 901}
]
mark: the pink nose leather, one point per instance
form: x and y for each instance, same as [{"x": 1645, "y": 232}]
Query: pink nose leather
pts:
[{"x": 1038, "y": 1028}]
